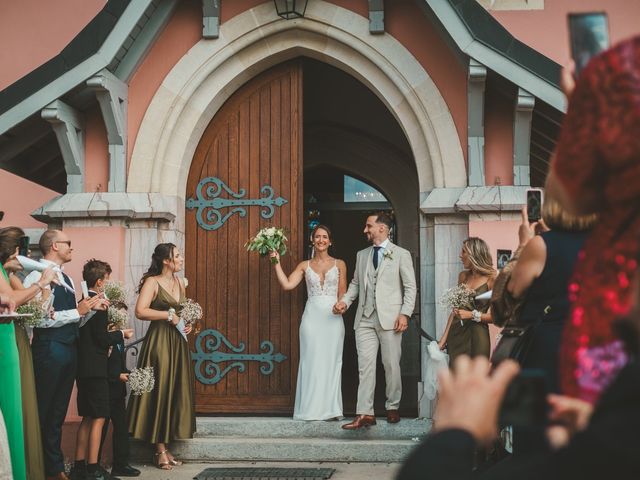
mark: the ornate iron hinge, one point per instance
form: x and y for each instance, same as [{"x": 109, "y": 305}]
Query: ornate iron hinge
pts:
[
  {"x": 209, "y": 204},
  {"x": 207, "y": 357}
]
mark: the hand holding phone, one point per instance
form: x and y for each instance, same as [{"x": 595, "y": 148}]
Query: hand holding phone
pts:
[
  {"x": 589, "y": 35},
  {"x": 524, "y": 404}
]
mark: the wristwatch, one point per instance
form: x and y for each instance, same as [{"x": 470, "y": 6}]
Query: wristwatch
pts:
[
  {"x": 172, "y": 312},
  {"x": 477, "y": 316}
]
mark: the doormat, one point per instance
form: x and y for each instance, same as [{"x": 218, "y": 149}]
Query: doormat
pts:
[{"x": 265, "y": 473}]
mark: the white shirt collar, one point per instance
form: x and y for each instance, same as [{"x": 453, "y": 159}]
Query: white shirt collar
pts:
[
  {"x": 383, "y": 245},
  {"x": 49, "y": 262}
]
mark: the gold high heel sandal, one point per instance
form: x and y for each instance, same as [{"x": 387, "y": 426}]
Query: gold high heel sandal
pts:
[
  {"x": 172, "y": 460},
  {"x": 162, "y": 465}
]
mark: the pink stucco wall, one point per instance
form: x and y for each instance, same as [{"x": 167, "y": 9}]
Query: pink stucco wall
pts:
[
  {"x": 527, "y": 26},
  {"x": 34, "y": 31},
  {"x": 20, "y": 197},
  {"x": 498, "y": 146}
]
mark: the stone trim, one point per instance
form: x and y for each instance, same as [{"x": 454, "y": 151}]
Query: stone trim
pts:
[
  {"x": 512, "y": 4},
  {"x": 107, "y": 205},
  {"x": 475, "y": 199},
  {"x": 257, "y": 39}
]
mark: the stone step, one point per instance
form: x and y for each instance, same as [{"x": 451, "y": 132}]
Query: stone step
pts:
[
  {"x": 282, "y": 449},
  {"x": 278, "y": 427},
  {"x": 285, "y": 439}
]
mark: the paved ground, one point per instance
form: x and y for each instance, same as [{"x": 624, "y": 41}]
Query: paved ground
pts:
[{"x": 344, "y": 471}]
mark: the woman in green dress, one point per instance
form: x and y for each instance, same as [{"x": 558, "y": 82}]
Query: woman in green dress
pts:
[
  {"x": 167, "y": 412},
  {"x": 467, "y": 330},
  {"x": 9, "y": 242}
]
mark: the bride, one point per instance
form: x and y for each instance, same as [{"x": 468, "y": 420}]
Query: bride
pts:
[{"x": 319, "y": 392}]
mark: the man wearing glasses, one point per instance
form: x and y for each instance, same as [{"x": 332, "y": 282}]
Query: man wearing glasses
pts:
[{"x": 54, "y": 348}]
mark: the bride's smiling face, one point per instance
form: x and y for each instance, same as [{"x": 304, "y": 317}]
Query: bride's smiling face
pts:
[{"x": 321, "y": 239}]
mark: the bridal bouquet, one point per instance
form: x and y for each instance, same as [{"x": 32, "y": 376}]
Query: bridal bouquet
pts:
[
  {"x": 141, "y": 380},
  {"x": 457, "y": 297},
  {"x": 114, "y": 291},
  {"x": 267, "y": 240},
  {"x": 36, "y": 309}
]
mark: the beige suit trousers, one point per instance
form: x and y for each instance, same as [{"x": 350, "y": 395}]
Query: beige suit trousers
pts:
[{"x": 369, "y": 337}]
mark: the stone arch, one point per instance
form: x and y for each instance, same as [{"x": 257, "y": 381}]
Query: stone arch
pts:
[{"x": 257, "y": 39}]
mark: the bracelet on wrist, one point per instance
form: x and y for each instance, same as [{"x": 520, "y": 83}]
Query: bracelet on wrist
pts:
[
  {"x": 170, "y": 313},
  {"x": 476, "y": 316}
]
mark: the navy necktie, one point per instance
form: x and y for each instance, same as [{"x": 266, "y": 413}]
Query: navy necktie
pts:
[{"x": 375, "y": 256}]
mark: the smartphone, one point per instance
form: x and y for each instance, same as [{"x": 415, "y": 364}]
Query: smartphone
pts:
[
  {"x": 502, "y": 258},
  {"x": 534, "y": 205},
  {"x": 525, "y": 403},
  {"x": 23, "y": 246},
  {"x": 589, "y": 35}
]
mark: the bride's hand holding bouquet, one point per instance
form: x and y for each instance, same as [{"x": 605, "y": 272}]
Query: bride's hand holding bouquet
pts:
[{"x": 268, "y": 240}]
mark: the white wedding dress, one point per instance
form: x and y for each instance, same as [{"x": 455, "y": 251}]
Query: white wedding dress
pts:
[{"x": 319, "y": 389}]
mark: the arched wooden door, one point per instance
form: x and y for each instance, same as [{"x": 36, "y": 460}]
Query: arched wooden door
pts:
[{"x": 246, "y": 353}]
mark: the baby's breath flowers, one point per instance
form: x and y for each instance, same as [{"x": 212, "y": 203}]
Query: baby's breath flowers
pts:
[
  {"x": 115, "y": 292},
  {"x": 37, "y": 309},
  {"x": 190, "y": 312},
  {"x": 118, "y": 316},
  {"x": 457, "y": 297},
  {"x": 141, "y": 380}
]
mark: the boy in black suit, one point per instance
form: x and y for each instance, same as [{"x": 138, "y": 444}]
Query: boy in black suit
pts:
[
  {"x": 118, "y": 375},
  {"x": 93, "y": 387}
]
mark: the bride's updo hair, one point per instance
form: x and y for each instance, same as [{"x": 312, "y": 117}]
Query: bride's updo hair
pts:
[
  {"x": 321, "y": 227},
  {"x": 162, "y": 252}
]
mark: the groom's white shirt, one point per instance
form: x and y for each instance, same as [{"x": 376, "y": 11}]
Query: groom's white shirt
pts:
[{"x": 395, "y": 291}]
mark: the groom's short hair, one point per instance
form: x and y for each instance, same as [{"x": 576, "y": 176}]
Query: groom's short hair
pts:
[{"x": 383, "y": 217}]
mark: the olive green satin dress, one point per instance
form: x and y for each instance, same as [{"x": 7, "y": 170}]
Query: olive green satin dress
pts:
[
  {"x": 167, "y": 412},
  {"x": 470, "y": 338},
  {"x": 32, "y": 436}
]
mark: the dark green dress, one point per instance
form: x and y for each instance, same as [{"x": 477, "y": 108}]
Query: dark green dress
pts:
[
  {"x": 471, "y": 338},
  {"x": 167, "y": 412},
  {"x": 32, "y": 436}
]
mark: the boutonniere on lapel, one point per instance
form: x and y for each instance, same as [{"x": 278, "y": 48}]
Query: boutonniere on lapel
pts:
[{"x": 387, "y": 255}]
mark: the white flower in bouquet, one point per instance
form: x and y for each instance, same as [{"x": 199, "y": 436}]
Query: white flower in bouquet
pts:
[
  {"x": 38, "y": 309},
  {"x": 141, "y": 380},
  {"x": 190, "y": 312},
  {"x": 114, "y": 291},
  {"x": 457, "y": 297},
  {"x": 118, "y": 316},
  {"x": 267, "y": 240}
]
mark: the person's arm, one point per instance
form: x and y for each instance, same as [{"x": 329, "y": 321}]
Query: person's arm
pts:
[
  {"x": 354, "y": 287},
  {"x": 20, "y": 293},
  {"x": 342, "y": 279},
  {"x": 443, "y": 340},
  {"x": 98, "y": 329},
  {"x": 143, "y": 305},
  {"x": 529, "y": 267},
  {"x": 293, "y": 280},
  {"x": 409, "y": 287}
]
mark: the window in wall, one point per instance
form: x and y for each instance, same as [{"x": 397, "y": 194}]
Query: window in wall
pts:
[{"x": 358, "y": 191}]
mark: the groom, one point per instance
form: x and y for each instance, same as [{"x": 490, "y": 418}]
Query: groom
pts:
[{"x": 385, "y": 284}]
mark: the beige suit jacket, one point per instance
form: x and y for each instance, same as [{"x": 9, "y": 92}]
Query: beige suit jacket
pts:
[{"x": 395, "y": 287}]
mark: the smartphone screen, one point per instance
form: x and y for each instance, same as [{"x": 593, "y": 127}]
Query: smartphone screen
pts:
[
  {"x": 525, "y": 404},
  {"x": 589, "y": 35},
  {"x": 502, "y": 258},
  {"x": 534, "y": 205},
  {"x": 23, "y": 246}
]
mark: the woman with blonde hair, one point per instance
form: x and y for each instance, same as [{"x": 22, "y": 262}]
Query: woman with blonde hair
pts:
[{"x": 467, "y": 330}]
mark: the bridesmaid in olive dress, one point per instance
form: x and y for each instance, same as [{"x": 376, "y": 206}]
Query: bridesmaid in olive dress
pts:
[
  {"x": 467, "y": 330},
  {"x": 167, "y": 412}
]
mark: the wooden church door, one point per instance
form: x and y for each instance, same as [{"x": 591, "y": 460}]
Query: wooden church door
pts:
[{"x": 246, "y": 174}]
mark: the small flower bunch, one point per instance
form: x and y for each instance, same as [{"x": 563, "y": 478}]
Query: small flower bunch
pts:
[
  {"x": 457, "y": 297},
  {"x": 115, "y": 292},
  {"x": 141, "y": 380},
  {"x": 37, "y": 308},
  {"x": 118, "y": 315},
  {"x": 190, "y": 312},
  {"x": 267, "y": 240}
]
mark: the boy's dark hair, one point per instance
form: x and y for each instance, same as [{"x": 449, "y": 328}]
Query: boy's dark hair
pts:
[
  {"x": 385, "y": 218},
  {"x": 95, "y": 270},
  {"x": 120, "y": 306}
]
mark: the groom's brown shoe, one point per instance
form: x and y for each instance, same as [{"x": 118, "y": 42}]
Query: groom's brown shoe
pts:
[
  {"x": 393, "y": 416},
  {"x": 360, "y": 421}
]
